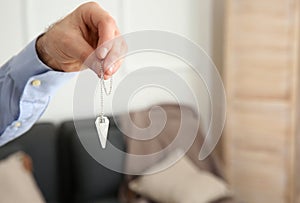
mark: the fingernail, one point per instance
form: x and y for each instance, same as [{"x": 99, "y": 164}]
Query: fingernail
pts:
[
  {"x": 111, "y": 69},
  {"x": 103, "y": 52}
]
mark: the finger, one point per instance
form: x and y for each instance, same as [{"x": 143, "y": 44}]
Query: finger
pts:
[
  {"x": 114, "y": 54},
  {"x": 96, "y": 66},
  {"x": 106, "y": 33},
  {"x": 117, "y": 65},
  {"x": 117, "y": 52},
  {"x": 104, "y": 49},
  {"x": 100, "y": 21}
]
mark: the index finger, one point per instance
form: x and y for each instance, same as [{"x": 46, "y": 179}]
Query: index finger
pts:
[{"x": 101, "y": 22}]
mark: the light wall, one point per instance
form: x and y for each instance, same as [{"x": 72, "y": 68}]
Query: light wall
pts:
[{"x": 197, "y": 20}]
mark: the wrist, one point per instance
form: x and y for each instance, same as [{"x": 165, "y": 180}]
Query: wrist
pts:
[{"x": 41, "y": 51}]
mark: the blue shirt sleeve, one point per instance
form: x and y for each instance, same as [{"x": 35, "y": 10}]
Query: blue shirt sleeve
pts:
[{"x": 26, "y": 87}]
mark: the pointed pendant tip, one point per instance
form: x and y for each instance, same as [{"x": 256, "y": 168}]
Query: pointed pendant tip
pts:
[{"x": 102, "y": 129}]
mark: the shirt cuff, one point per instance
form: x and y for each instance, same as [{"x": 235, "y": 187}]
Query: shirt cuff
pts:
[
  {"x": 36, "y": 83},
  {"x": 27, "y": 64}
]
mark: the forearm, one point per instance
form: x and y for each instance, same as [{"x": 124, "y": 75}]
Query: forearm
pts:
[{"x": 26, "y": 86}]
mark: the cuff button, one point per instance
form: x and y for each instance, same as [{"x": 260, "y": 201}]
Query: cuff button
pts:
[
  {"x": 18, "y": 124},
  {"x": 36, "y": 83}
]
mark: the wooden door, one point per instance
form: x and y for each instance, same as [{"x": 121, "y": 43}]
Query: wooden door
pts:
[{"x": 262, "y": 84}]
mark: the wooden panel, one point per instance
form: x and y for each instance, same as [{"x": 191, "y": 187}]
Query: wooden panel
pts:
[
  {"x": 262, "y": 173},
  {"x": 296, "y": 103},
  {"x": 262, "y": 134},
  {"x": 257, "y": 150},
  {"x": 260, "y": 38},
  {"x": 252, "y": 123}
]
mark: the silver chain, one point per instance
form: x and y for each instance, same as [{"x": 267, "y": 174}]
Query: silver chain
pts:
[{"x": 103, "y": 88}]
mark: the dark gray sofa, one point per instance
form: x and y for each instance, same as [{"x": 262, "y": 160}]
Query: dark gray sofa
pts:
[
  {"x": 63, "y": 169},
  {"x": 65, "y": 172}
]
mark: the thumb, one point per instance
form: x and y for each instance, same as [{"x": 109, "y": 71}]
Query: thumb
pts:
[
  {"x": 107, "y": 30},
  {"x": 100, "y": 21}
]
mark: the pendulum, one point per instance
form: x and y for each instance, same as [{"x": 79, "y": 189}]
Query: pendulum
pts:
[{"x": 102, "y": 122}]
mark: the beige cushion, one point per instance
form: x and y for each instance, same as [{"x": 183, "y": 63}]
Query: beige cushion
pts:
[
  {"x": 181, "y": 183},
  {"x": 16, "y": 183}
]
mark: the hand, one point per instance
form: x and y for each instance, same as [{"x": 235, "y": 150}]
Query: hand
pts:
[{"x": 68, "y": 43}]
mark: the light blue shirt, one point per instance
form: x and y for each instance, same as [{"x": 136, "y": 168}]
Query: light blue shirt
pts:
[{"x": 26, "y": 87}]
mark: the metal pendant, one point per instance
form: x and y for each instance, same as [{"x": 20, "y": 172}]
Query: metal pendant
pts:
[{"x": 102, "y": 125}]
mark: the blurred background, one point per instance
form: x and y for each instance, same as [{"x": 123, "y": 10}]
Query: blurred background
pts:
[
  {"x": 199, "y": 21},
  {"x": 254, "y": 44}
]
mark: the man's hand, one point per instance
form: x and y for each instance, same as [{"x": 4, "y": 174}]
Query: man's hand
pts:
[{"x": 68, "y": 43}]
